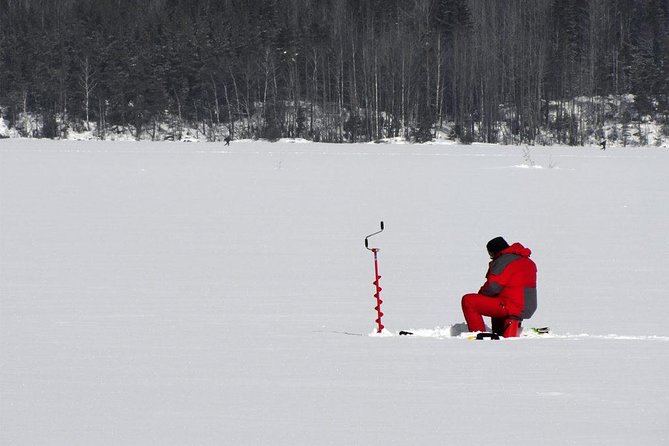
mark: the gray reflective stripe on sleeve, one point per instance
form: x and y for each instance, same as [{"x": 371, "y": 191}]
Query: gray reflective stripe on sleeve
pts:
[
  {"x": 492, "y": 289},
  {"x": 530, "y": 304},
  {"x": 499, "y": 264}
]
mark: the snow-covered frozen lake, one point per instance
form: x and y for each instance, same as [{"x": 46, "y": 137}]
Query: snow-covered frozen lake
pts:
[{"x": 196, "y": 294}]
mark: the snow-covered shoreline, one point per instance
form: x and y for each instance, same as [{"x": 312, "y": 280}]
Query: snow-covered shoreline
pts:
[{"x": 622, "y": 127}]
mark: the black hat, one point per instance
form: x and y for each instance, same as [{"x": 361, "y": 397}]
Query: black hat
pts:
[{"x": 496, "y": 245}]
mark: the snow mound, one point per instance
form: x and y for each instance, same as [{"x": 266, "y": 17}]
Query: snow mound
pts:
[
  {"x": 294, "y": 140},
  {"x": 4, "y": 128}
]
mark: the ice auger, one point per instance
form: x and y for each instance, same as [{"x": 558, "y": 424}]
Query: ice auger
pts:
[{"x": 377, "y": 295}]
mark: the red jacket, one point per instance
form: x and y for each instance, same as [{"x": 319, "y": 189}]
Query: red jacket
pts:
[{"x": 512, "y": 277}]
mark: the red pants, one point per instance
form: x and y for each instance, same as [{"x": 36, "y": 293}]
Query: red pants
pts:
[{"x": 475, "y": 306}]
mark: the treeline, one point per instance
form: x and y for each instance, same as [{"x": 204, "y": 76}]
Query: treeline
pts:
[{"x": 332, "y": 70}]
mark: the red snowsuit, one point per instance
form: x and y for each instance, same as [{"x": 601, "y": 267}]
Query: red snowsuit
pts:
[{"x": 510, "y": 290}]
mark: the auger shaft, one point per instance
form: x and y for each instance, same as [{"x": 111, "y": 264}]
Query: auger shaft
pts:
[{"x": 377, "y": 295}]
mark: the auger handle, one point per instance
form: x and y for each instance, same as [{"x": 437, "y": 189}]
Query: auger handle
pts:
[{"x": 370, "y": 235}]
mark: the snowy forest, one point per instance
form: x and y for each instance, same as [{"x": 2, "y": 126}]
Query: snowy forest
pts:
[{"x": 517, "y": 71}]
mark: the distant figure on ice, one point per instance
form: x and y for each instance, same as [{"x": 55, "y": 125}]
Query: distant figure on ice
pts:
[
  {"x": 509, "y": 293},
  {"x": 603, "y": 143},
  {"x": 227, "y": 140}
]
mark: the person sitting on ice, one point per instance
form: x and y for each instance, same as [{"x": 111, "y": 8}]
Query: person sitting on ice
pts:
[{"x": 509, "y": 293}]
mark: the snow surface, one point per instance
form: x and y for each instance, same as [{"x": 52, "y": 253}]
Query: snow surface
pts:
[{"x": 173, "y": 293}]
